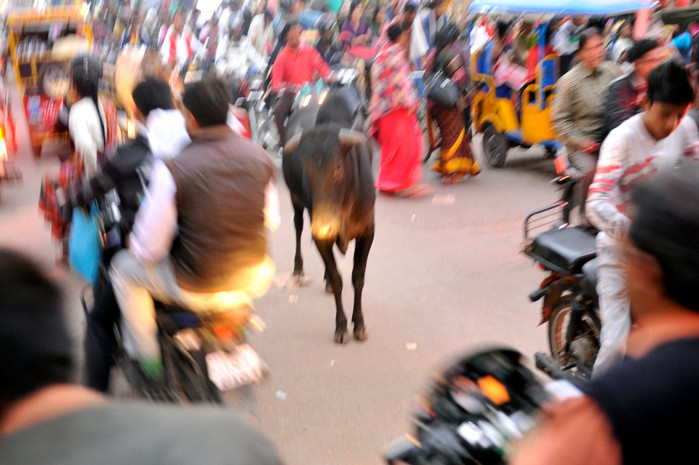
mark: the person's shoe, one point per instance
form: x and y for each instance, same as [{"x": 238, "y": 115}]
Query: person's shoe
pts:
[{"x": 147, "y": 377}]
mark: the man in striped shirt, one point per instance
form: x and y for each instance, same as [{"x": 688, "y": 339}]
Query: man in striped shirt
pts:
[
  {"x": 657, "y": 139},
  {"x": 578, "y": 108}
]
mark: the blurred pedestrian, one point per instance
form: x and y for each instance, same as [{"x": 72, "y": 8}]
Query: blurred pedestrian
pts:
[
  {"x": 392, "y": 120},
  {"x": 45, "y": 418},
  {"x": 625, "y": 94},
  {"x": 578, "y": 109},
  {"x": 455, "y": 156}
]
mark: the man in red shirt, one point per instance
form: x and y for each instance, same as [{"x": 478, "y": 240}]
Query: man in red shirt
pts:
[{"x": 295, "y": 65}]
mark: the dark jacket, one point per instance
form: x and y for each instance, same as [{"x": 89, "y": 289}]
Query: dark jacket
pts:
[
  {"x": 120, "y": 171},
  {"x": 221, "y": 182},
  {"x": 621, "y": 102}
]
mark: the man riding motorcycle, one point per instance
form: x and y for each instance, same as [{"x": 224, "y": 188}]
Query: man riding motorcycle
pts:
[
  {"x": 294, "y": 66},
  {"x": 161, "y": 133},
  {"x": 199, "y": 239}
]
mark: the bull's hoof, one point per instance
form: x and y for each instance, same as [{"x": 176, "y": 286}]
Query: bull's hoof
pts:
[
  {"x": 361, "y": 334},
  {"x": 299, "y": 280},
  {"x": 328, "y": 287},
  {"x": 341, "y": 337}
]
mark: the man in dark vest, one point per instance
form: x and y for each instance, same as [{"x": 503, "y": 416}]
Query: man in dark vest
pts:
[{"x": 199, "y": 239}]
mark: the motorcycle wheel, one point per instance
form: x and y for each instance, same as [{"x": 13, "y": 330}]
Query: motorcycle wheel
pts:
[
  {"x": 577, "y": 355},
  {"x": 185, "y": 379}
]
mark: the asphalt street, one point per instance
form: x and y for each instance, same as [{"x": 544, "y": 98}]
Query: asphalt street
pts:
[{"x": 445, "y": 276}]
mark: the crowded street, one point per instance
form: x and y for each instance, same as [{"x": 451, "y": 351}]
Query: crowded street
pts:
[
  {"x": 446, "y": 276},
  {"x": 350, "y": 232}
]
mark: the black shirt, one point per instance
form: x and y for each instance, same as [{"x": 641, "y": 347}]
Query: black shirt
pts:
[{"x": 652, "y": 403}]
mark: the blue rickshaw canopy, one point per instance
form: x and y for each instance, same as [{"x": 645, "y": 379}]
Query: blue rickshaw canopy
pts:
[{"x": 564, "y": 7}]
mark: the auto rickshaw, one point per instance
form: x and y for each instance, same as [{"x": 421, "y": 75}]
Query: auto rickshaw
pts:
[
  {"x": 495, "y": 115},
  {"x": 41, "y": 44},
  {"x": 494, "y": 109}
]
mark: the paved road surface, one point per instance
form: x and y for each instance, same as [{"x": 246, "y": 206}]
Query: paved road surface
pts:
[{"x": 444, "y": 275}]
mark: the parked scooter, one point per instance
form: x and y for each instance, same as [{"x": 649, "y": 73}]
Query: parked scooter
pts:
[{"x": 570, "y": 306}]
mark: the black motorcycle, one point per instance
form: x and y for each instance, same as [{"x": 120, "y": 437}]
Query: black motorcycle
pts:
[
  {"x": 475, "y": 410},
  {"x": 205, "y": 358},
  {"x": 570, "y": 304}
]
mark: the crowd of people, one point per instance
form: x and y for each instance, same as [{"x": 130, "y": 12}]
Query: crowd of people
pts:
[{"x": 623, "y": 107}]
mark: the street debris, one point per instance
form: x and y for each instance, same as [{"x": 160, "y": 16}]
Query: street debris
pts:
[{"x": 447, "y": 199}]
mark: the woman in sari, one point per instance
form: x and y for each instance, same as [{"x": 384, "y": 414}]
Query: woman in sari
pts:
[
  {"x": 392, "y": 120},
  {"x": 355, "y": 30},
  {"x": 455, "y": 158}
]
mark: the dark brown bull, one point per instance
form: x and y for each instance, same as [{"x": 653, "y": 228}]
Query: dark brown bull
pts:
[{"x": 328, "y": 172}]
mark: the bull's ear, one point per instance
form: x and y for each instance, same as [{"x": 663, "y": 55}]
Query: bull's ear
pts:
[
  {"x": 293, "y": 143},
  {"x": 350, "y": 137}
]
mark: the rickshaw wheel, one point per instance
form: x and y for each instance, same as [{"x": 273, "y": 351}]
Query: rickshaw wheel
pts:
[{"x": 495, "y": 146}]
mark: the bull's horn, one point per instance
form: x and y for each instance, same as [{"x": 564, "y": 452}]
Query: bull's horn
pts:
[
  {"x": 351, "y": 137},
  {"x": 292, "y": 144}
]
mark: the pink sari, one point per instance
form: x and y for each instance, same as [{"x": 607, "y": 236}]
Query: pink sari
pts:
[{"x": 393, "y": 122}]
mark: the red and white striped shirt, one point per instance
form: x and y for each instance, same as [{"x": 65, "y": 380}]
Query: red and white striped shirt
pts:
[{"x": 629, "y": 155}]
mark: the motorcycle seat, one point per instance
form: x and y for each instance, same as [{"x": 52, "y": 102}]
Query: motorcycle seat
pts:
[
  {"x": 172, "y": 318},
  {"x": 564, "y": 250}
]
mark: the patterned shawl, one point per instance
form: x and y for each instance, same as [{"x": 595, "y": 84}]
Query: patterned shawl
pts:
[{"x": 392, "y": 87}]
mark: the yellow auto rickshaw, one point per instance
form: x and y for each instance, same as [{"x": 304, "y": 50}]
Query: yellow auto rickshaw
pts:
[
  {"x": 522, "y": 117},
  {"x": 507, "y": 118},
  {"x": 41, "y": 44}
]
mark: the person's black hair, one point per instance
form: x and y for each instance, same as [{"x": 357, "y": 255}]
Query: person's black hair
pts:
[
  {"x": 353, "y": 6},
  {"x": 409, "y": 7},
  {"x": 85, "y": 74},
  {"x": 640, "y": 48},
  {"x": 445, "y": 36},
  {"x": 377, "y": 10},
  {"x": 666, "y": 225},
  {"x": 394, "y": 31},
  {"x": 588, "y": 34},
  {"x": 670, "y": 83},
  {"x": 501, "y": 28},
  {"x": 36, "y": 349},
  {"x": 287, "y": 27},
  {"x": 596, "y": 22},
  {"x": 207, "y": 100},
  {"x": 152, "y": 94},
  {"x": 550, "y": 31}
]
